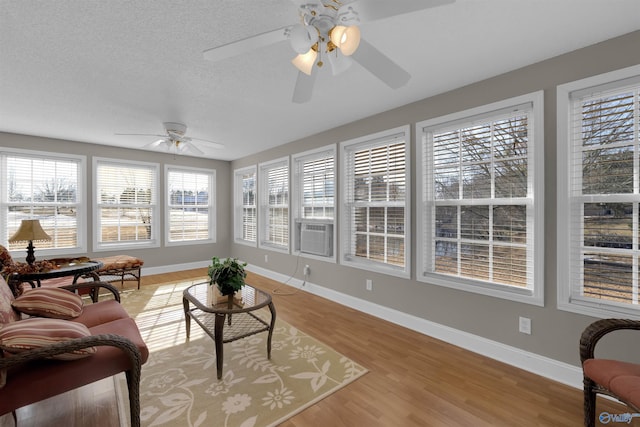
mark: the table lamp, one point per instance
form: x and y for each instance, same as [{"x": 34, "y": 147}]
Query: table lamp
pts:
[{"x": 30, "y": 230}]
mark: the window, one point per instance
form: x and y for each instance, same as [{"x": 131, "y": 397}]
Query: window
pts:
[
  {"x": 375, "y": 224},
  {"x": 245, "y": 214},
  {"x": 314, "y": 201},
  {"x": 480, "y": 214},
  {"x": 274, "y": 204},
  {"x": 190, "y": 205},
  {"x": 126, "y": 204},
  {"x": 47, "y": 187},
  {"x": 599, "y": 194}
]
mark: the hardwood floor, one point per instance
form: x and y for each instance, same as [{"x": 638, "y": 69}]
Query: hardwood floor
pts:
[{"x": 413, "y": 380}]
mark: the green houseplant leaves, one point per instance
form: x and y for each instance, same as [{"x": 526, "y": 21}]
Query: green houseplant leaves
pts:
[{"x": 227, "y": 274}]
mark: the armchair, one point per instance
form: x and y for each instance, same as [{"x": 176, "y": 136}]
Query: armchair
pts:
[
  {"x": 112, "y": 345},
  {"x": 618, "y": 379}
]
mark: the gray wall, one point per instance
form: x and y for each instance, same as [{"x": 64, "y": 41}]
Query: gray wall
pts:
[
  {"x": 555, "y": 333},
  {"x": 157, "y": 257}
]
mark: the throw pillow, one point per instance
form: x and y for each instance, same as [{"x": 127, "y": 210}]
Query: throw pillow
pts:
[
  {"x": 36, "y": 332},
  {"x": 7, "y": 312},
  {"x": 49, "y": 302}
]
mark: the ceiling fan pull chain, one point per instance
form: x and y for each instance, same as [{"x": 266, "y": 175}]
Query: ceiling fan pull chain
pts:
[{"x": 320, "y": 52}]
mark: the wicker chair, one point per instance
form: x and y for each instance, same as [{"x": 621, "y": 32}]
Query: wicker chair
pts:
[
  {"x": 31, "y": 375},
  {"x": 618, "y": 379}
]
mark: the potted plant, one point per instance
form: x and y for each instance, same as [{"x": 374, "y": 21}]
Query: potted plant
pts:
[{"x": 228, "y": 275}]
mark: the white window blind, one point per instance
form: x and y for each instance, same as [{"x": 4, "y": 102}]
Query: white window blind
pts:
[
  {"x": 245, "y": 205},
  {"x": 313, "y": 203},
  {"x": 315, "y": 185},
  {"x": 190, "y": 197},
  {"x": 376, "y": 205},
  {"x": 274, "y": 204},
  {"x": 48, "y": 188},
  {"x": 479, "y": 207},
  {"x": 604, "y": 192},
  {"x": 126, "y": 201}
]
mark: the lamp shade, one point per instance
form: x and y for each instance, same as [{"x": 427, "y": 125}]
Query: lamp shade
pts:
[
  {"x": 347, "y": 39},
  {"x": 304, "y": 62},
  {"x": 30, "y": 229}
]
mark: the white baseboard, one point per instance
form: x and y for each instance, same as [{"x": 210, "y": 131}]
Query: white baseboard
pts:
[
  {"x": 146, "y": 271},
  {"x": 534, "y": 363}
]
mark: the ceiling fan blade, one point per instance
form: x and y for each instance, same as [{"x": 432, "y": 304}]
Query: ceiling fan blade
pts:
[
  {"x": 372, "y": 10},
  {"x": 213, "y": 144},
  {"x": 156, "y": 143},
  {"x": 308, "y": 3},
  {"x": 188, "y": 146},
  {"x": 338, "y": 61},
  {"x": 139, "y": 134},
  {"x": 378, "y": 64},
  {"x": 304, "y": 87},
  {"x": 246, "y": 45}
]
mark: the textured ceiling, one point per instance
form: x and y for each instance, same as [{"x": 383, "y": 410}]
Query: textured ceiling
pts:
[{"x": 85, "y": 70}]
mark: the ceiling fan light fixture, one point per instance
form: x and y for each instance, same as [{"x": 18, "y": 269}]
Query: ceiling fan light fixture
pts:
[
  {"x": 337, "y": 34},
  {"x": 180, "y": 147},
  {"x": 304, "y": 62},
  {"x": 302, "y": 38},
  {"x": 347, "y": 39}
]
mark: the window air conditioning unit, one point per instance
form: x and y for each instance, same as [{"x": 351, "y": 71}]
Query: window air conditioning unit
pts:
[{"x": 316, "y": 238}]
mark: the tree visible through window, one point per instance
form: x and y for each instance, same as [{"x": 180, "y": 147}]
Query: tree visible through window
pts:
[
  {"x": 480, "y": 180},
  {"x": 604, "y": 196},
  {"x": 376, "y": 203},
  {"x": 47, "y": 188},
  {"x": 481, "y": 202},
  {"x": 126, "y": 202}
]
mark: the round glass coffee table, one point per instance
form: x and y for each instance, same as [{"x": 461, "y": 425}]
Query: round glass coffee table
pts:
[{"x": 230, "y": 320}]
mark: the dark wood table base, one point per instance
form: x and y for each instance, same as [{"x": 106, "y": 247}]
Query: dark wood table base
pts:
[{"x": 230, "y": 320}]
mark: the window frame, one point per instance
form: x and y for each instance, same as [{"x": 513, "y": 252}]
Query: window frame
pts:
[
  {"x": 401, "y": 133},
  {"x": 264, "y": 206},
  {"x": 211, "y": 205},
  {"x": 239, "y": 206},
  {"x": 154, "y": 242},
  {"x": 297, "y": 198},
  {"x": 80, "y": 204},
  {"x": 566, "y": 276},
  {"x": 534, "y": 294}
]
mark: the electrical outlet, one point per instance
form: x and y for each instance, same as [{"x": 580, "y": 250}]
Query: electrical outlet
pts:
[
  {"x": 524, "y": 324},
  {"x": 307, "y": 270},
  {"x": 369, "y": 285},
  {"x": 266, "y": 258}
]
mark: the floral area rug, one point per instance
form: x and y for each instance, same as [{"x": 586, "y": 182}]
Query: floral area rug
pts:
[{"x": 179, "y": 386}]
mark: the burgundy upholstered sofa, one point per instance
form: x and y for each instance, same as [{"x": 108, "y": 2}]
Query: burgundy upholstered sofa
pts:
[{"x": 113, "y": 344}]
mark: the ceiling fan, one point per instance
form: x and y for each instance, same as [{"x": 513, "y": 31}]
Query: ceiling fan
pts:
[
  {"x": 329, "y": 29},
  {"x": 174, "y": 141}
]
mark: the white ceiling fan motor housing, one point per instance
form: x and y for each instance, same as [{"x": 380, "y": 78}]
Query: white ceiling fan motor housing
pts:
[{"x": 175, "y": 129}]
